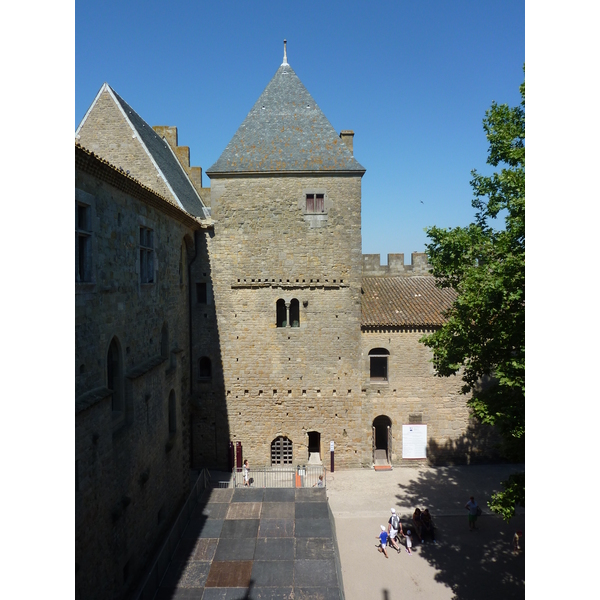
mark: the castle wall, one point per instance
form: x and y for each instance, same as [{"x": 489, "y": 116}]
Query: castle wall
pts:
[
  {"x": 288, "y": 380},
  {"x": 414, "y": 394},
  {"x": 132, "y": 469},
  {"x": 371, "y": 265}
]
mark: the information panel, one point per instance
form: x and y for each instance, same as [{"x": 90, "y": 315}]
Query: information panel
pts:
[{"x": 414, "y": 441}]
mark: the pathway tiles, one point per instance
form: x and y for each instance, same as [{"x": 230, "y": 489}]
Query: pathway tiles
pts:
[{"x": 255, "y": 544}]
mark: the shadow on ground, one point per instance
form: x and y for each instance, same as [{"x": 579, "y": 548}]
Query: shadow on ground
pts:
[{"x": 474, "y": 564}]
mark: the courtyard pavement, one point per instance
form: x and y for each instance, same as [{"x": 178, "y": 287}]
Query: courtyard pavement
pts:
[
  {"x": 463, "y": 565},
  {"x": 280, "y": 543}
]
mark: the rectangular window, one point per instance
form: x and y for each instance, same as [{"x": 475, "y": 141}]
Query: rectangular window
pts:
[
  {"x": 315, "y": 203},
  {"x": 83, "y": 243},
  {"x": 201, "y": 293},
  {"x": 146, "y": 255}
]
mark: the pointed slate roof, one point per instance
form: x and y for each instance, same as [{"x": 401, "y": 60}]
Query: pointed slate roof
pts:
[
  {"x": 167, "y": 162},
  {"x": 404, "y": 302},
  {"x": 163, "y": 157},
  {"x": 285, "y": 131}
]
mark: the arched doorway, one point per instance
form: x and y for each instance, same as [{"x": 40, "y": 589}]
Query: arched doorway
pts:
[{"x": 382, "y": 440}]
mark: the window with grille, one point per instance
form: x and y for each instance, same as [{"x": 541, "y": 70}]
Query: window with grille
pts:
[
  {"x": 146, "y": 255},
  {"x": 281, "y": 451},
  {"x": 315, "y": 203}
]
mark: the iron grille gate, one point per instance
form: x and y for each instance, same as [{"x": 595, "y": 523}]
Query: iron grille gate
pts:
[{"x": 281, "y": 451}]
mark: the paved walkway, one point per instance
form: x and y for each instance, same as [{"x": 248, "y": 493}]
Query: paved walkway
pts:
[
  {"x": 464, "y": 565},
  {"x": 255, "y": 544}
]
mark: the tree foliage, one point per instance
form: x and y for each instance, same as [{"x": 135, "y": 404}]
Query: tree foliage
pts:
[{"x": 483, "y": 338}]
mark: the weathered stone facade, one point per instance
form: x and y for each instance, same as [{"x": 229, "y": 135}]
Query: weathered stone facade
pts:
[{"x": 132, "y": 452}]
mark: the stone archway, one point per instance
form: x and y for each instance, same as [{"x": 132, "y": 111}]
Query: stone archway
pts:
[{"x": 382, "y": 440}]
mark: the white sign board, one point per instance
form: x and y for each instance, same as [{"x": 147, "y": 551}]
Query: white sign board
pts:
[
  {"x": 330, "y": 446},
  {"x": 414, "y": 441}
]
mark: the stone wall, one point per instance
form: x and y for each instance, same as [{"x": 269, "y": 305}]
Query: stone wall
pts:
[
  {"x": 414, "y": 394},
  {"x": 287, "y": 381},
  {"x": 106, "y": 132},
  {"x": 132, "y": 470},
  {"x": 396, "y": 267}
]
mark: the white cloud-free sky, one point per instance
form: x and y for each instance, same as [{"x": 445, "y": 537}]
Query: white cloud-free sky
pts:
[{"x": 412, "y": 79}]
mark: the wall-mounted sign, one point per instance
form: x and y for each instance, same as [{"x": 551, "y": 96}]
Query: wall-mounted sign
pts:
[
  {"x": 330, "y": 446},
  {"x": 414, "y": 441}
]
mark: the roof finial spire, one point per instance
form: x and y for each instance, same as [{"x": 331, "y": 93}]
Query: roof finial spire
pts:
[{"x": 285, "y": 62}]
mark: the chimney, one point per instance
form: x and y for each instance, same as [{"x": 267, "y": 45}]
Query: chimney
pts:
[{"x": 347, "y": 137}]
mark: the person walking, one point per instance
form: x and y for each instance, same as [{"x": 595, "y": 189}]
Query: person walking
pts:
[
  {"x": 393, "y": 527},
  {"x": 474, "y": 512},
  {"x": 408, "y": 541},
  {"x": 383, "y": 540},
  {"x": 245, "y": 471}
]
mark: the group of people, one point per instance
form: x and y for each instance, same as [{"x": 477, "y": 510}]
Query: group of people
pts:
[{"x": 423, "y": 526}]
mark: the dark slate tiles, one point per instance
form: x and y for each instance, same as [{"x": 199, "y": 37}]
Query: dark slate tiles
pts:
[
  {"x": 311, "y": 495},
  {"x": 273, "y": 573},
  {"x": 311, "y": 510},
  {"x": 278, "y": 510},
  {"x": 276, "y": 528},
  {"x": 314, "y": 548},
  {"x": 313, "y": 528},
  {"x": 315, "y": 573},
  {"x": 240, "y": 528},
  {"x": 189, "y": 574},
  {"x": 248, "y": 495},
  {"x": 274, "y": 548},
  {"x": 209, "y": 528},
  {"x": 279, "y": 495},
  {"x": 235, "y": 549}
]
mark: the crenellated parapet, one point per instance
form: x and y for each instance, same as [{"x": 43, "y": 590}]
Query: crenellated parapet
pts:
[{"x": 418, "y": 265}]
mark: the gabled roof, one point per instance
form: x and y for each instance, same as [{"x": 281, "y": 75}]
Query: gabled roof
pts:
[
  {"x": 404, "y": 302},
  {"x": 163, "y": 157},
  {"x": 285, "y": 131}
]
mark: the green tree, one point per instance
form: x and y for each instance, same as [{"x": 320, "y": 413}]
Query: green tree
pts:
[{"x": 483, "y": 338}]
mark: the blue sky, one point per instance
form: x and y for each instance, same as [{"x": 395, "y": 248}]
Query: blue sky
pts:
[{"x": 412, "y": 79}]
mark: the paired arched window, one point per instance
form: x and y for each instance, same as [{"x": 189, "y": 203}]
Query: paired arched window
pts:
[
  {"x": 204, "y": 368},
  {"x": 378, "y": 368},
  {"x": 114, "y": 375},
  {"x": 281, "y": 451},
  {"x": 283, "y": 318}
]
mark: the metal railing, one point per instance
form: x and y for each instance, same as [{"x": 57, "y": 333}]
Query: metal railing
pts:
[
  {"x": 282, "y": 477},
  {"x": 159, "y": 566}
]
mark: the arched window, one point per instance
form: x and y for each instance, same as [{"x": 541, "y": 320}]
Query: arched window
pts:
[
  {"x": 379, "y": 364},
  {"x": 204, "y": 368},
  {"x": 172, "y": 413},
  {"x": 295, "y": 313},
  {"x": 281, "y": 451},
  {"x": 114, "y": 376},
  {"x": 281, "y": 313},
  {"x": 164, "y": 341}
]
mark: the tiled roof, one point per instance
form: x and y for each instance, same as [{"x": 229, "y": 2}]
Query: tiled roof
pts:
[
  {"x": 404, "y": 302},
  {"x": 285, "y": 131},
  {"x": 166, "y": 161}
]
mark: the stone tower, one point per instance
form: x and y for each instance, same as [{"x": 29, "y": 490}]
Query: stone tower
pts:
[{"x": 286, "y": 271}]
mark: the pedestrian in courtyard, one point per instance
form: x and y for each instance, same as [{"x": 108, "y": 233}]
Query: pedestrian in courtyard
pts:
[
  {"x": 517, "y": 542},
  {"x": 393, "y": 527},
  {"x": 427, "y": 525},
  {"x": 320, "y": 482},
  {"x": 383, "y": 539},
  {"x": 408, "y": 541},
  {"x": 417, "y": 523},
  {"x": 474, "y": 512},
  {"x": 245, "y": 471}
]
